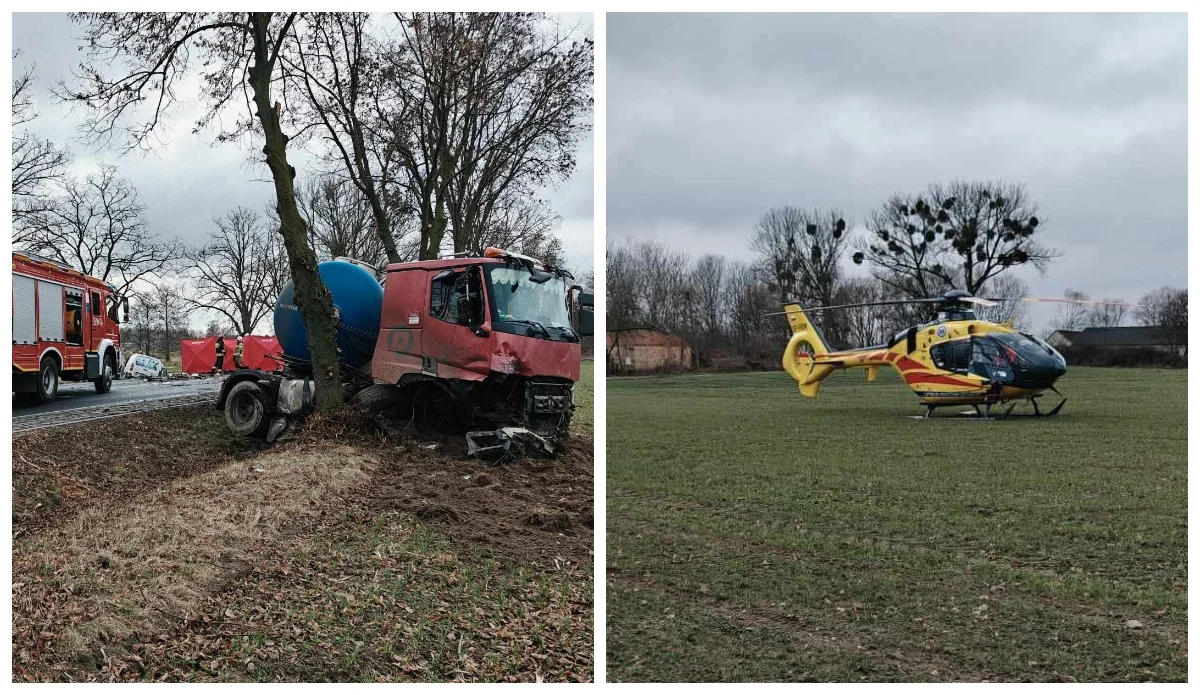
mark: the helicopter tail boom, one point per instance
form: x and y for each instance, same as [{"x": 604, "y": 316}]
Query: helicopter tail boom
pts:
[{"x": 809, "y": 361}]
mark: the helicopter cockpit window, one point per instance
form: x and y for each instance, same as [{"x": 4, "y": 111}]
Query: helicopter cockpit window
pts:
[
  {"x": 988, "y": 352},
  {"x": 953, "y": 355},
  {"x": 1025, "y": 350}
]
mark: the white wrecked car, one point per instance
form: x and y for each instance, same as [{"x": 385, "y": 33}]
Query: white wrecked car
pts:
[{"x": 145, "y": 366}]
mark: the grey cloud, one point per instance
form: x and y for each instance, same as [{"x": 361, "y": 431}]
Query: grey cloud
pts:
[
  {"x": 188, "y": 181},
  {"x": 712, "y": 119}
]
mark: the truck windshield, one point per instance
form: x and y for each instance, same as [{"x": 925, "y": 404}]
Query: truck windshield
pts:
[{"x": 535, "y": 306}]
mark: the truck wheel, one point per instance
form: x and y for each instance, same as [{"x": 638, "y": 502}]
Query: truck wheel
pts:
[
  {"x": 104, "y": 381},
  {"x": 378, "y": 398},
  {"x": 47, "y": 381},
  {"x": 246, "y": 410}
]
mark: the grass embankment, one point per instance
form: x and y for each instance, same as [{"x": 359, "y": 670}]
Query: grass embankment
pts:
[
  {"x": 756, "y": 535},
  {"x": 182, "y": 553}
]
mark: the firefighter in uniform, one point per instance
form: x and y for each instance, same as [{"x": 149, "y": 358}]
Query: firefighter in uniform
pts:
[
  {"x": 220, "y": 364},
  {"x": 237, "y": 353}
]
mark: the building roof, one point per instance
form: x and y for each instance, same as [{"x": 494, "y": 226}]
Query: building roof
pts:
[
  {"x": 643, "y": 336},
  {"x": 1116, "y": 336}
]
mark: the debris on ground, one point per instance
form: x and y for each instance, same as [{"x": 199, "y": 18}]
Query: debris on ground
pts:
[{"x": 492, "y": 445}]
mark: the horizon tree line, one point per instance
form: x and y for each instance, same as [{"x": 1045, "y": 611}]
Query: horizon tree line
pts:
[{"x": 964, "y": 235}]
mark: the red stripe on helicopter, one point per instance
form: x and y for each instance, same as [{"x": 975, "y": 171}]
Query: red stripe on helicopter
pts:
[
  {"x": 905, "y": 363},
  {"x": 927, "y": 378}
]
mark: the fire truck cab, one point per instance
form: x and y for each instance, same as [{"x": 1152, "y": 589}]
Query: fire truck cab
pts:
[{"x": 65, "y": 326}]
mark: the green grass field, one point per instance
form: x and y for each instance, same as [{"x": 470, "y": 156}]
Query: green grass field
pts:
[{"x": 755, "y": 535}]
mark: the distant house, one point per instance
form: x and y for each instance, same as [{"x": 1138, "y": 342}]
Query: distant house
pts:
[
  {"x": 644, "y": 350},
  {"x": 1117, "y": 338}
]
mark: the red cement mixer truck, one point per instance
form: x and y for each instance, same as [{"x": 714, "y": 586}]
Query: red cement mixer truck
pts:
[{"x": 492, "y": 341}]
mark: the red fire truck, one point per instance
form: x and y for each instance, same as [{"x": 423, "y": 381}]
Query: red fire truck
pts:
[{"x": 65, "y": 326}]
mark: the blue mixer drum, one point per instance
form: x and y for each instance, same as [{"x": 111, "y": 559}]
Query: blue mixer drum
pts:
[{"x": 357, "y": 303}]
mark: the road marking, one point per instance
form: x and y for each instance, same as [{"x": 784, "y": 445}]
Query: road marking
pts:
[{"x": 60, "y": 418}]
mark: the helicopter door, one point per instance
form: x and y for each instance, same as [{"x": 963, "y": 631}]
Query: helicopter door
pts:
[{"x": 989, "y": 361}]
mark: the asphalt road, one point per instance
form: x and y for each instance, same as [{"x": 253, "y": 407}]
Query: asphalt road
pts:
[{"x": 126, "y": 395}]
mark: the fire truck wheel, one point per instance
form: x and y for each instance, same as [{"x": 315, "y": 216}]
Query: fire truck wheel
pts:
[
  {"x": 246, "y": 410},
  {"x": 47, "y": 381},
  {"x": 104, "y": 381}
]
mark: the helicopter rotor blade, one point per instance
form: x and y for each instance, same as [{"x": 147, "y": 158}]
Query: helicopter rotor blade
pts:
[
  {"x": 887, "y": 303},
  {"x": 890, "y": 302},
  {"x": 1064, "y": 300},
  {"x": 985, "y": 302}
]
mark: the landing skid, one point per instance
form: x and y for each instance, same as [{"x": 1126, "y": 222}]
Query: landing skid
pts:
[{"x": 983, "y": 411}]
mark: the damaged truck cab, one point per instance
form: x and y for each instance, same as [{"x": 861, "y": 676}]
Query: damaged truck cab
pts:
[
  {"x": 500, "y": 334},
  {"x": 494, "y": 339}
]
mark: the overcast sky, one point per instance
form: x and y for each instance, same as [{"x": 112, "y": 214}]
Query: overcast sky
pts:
[
  {"x": 188, "y": 180},
  {"x": 712, "y": 120}
]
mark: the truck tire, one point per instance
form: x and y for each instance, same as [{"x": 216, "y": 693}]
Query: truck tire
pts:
[
  {"x": 246, "y": 410},
  {"x": 47, "y": 386},
  {"x": 107, "y": 373},
  {"x": 378, "y": 398}
]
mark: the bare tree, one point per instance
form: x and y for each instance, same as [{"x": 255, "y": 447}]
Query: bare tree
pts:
[
  {"x": 803, "y": 249},
  {"x": 97, "y": 226},
  {"x": 1167, "y": 307},
  {"x": 960, "y": 235},
  {"x": 1008, "y": 290},
  {"x": 36, "y": 162},
  {"x": 233, "y": 273},
  {"x": 868, "y": 325},
  {"x": 803, "y": 252},
  {"x": 526, "y": 225},
  {"x": 749, "y": 298},
  {"x": 708, "y": 286},
  {"x": 621, "y": 305},
  {"x": 340, "y": 222},
  {"x": 489, "y": 104},
  {"x": 336, "y": 67},
  {"x": 1071, "y": 316},
  {"x": 137, "y": 331},
  {"x": 660, "y": 275},
  {"x": 170, "y": 313},
  {"x": 1107, "y": 313},
  {"x": 239, "y": 57}
]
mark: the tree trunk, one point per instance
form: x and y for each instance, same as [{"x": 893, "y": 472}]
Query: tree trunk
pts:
[
  {"x": 433, "y": 230},
  {"x": 312, "y": 297}
]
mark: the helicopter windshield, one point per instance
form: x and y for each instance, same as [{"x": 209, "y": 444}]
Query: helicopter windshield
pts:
[{"x": 1024, "y": 351}]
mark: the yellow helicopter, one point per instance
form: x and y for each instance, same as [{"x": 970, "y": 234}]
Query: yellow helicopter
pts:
[{"x": 955, "y": 359}]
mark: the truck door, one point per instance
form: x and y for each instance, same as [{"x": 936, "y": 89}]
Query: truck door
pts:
[
  {"x": 456, "y": 337},
  {"x": 95, "y": 319}
]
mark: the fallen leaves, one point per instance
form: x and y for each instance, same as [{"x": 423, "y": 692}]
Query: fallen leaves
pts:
[{"x": 355, "y": 587}]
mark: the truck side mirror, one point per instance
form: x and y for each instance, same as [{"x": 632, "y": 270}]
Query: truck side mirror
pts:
[
  {"x": 587, "y": 313},
  {"x": 125, "y": 310}
]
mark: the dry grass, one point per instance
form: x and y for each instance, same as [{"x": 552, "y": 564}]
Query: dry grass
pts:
[
  {"x": 391, "y": 558},
  {"x": 130, "y": 571}
]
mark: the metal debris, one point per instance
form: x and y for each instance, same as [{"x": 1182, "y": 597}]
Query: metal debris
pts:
[{"x": 491, "y": 445}]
